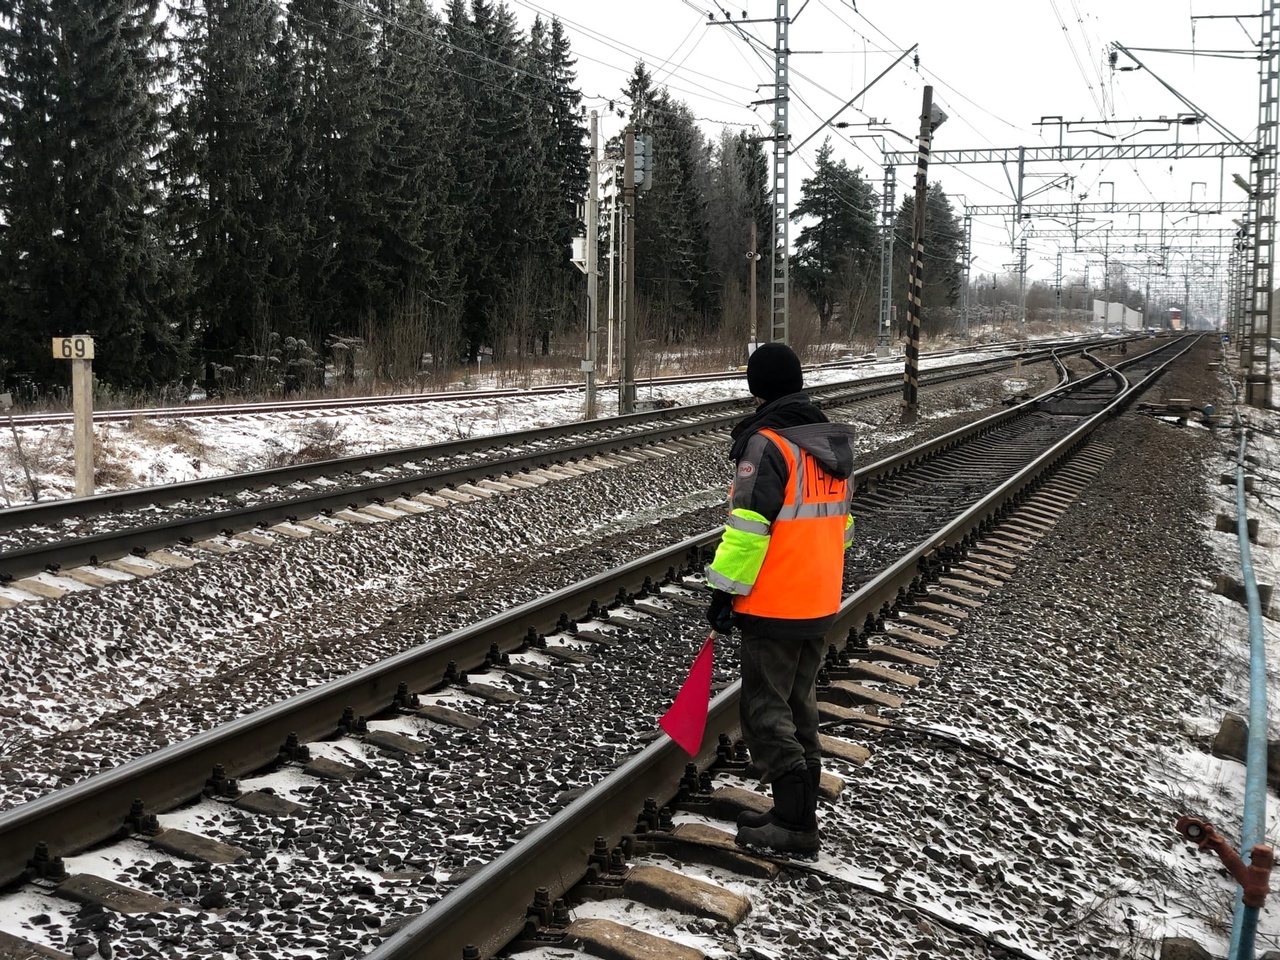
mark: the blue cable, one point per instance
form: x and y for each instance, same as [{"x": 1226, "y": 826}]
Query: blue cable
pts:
[{"x": 1253, "y": 830}]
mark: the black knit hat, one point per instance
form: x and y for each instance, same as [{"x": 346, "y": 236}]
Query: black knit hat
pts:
[{"x": 773, "y": 371}]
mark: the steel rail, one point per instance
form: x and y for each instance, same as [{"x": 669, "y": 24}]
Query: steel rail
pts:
[
  {"x": 55, "y": 511},
  {"x": 93, "y": 811},
  {"x": 117, "y": 501},
  {"x": 100, "y": 547},
  {"x": 353, "y": 404},
  {"x": 90, "y": 812},
  {"x": 489, "y": 910}
]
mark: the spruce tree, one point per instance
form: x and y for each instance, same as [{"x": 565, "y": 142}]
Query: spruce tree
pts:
[
  {"x": 29, "y": 185},
  {"x": 839, "y": 240},
  {"x": 739, "y": 183},
  {"x": 226, "y": 170},
  {"x": 555, "y": 182},
  {"x": 673, "y": 278},
  {"x": 570, "y": 153},
  {"x": 83, "y": 108},
  {"x": 943, "y": 247},
  {"x": 332, "y": 138},
  {"x": 493, "y": 145},
  {"x": 412, "y": 177}
]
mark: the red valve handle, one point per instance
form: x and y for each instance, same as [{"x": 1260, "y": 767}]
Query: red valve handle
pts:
[{"x": 1254, "y": 878}]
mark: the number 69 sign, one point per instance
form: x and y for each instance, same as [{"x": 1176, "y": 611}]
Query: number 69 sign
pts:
[{"x": 73, "y": 348}]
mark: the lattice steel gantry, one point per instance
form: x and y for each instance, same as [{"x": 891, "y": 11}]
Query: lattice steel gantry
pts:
[
  {"x": 781, "y": 146},
  {"x": 888, "y": 214},
  {"x": 1256, "y": 348}
]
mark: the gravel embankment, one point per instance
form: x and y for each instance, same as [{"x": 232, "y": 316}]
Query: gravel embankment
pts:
[
  {"x": 1087, "y": 669},
  {"x": 104, "y": 676},
  {"x": 1100, "y": 668}
]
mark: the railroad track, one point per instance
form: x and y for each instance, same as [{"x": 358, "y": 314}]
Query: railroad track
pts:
[
  {"x": 301, "y": 500},
  {"x": 348, "y": 405},
  {"x": 621, "y": 637}
]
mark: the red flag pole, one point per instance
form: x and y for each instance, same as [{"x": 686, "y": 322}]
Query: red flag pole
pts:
[{"x": 686, "y": 720}]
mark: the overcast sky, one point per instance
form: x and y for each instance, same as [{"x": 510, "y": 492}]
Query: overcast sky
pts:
[{"x": 996, "y": 66}]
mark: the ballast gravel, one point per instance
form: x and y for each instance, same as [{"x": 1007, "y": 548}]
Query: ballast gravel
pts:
[
  {"x": 103, "y": 676},
  {"x": 1096, "y": 674}
]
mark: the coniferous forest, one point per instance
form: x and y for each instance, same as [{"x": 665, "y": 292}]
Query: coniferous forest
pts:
[{"x": 239, "y": 193}]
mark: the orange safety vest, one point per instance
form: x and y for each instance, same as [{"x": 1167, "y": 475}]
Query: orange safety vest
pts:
[{"x": 801, "y": 578}]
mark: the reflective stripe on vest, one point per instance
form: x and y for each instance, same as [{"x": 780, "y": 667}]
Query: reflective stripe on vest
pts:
[
  {"x": 748, "y": 526},
  {"x": 803, "y": 569}
]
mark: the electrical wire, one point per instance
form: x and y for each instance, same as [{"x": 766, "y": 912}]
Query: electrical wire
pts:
[
  {"x": 429, "y": 64},
  {"x": 1097, "y": 63},
  {"x": 440, "y": 41},
  {"x": 632, "y": 51},
  {"x": 1075, "y": 54},
  {"x": 1220, "y": 54},
  {"x": 925, "y": 69},
  {"x": 657, "y": 72},
  {"x": 929, "y": 72},
  {"x": 757, "y": 45}
]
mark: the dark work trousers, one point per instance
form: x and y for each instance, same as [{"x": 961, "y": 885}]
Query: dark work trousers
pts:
[{"x": 779, "y": 704}]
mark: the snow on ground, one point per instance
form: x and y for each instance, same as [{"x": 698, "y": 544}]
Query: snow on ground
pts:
[
  {"x": 1211, "y": 787},
  {"x": 142, "y": 453}
]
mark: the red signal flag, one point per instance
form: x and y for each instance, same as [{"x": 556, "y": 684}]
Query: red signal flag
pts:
[{"x": 686, "y": 721}]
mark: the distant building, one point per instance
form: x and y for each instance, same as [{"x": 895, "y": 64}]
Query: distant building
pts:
[{"x": 1116, "y": 316}]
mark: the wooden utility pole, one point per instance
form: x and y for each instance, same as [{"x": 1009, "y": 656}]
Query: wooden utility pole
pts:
[
  {"x": 613, "y": 262},
  {"x": 753, "y": 257},
  {"x": 627, "y": 383},
  {"x": 593, "y": 279},
  {"x": 911, "y": 376}
]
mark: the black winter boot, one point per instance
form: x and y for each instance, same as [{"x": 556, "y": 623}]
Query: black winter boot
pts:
[
  {"x": 754, "y": 819},
  {"x": 792, "y": 829}
]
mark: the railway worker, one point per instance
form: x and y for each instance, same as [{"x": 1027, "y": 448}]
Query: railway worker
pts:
[{"x": 777, "y": 577}]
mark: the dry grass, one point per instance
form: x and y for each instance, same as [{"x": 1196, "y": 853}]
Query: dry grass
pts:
[
  {"x": 168, "y": 433},
  {"x": 317, "y": 440},
  {"x": 110, "y": 471}
]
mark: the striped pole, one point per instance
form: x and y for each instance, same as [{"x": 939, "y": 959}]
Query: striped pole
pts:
[{"x": 911, "y": 377}]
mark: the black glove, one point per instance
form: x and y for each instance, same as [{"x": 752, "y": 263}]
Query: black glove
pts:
[{"x": 720, "y": 611}]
